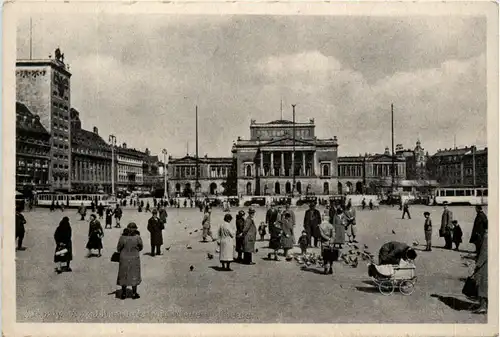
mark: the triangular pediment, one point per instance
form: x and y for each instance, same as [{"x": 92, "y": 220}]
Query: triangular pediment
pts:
[
  {"x": 383, "y": 158},
  {"x": 185, "y": 160},
  {"x": 288, "y": 141}
]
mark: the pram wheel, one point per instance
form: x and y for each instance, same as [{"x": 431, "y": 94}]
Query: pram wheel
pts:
[
  {"x": 386, "y": 287},
  {"x": 406, "y": 287}
]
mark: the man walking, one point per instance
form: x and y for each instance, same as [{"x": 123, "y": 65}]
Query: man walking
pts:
[
  {"x": 118, "y": 215},
  {"x": 82, "y": 210},
  {"x": 480, "y": 225},
  {"x": 312, "y": 220},
  {"x": 446, "y": 227},
  {"x": 271, "y": 216},
  {"x": 20, "y": 230},
  {"x": 155, "y": 228},
  {"x": 249, "y": 235},
  {"x": 406, "y": 209}
]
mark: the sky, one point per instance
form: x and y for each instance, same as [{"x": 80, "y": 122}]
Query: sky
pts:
[{"x": 140, "y": 77}]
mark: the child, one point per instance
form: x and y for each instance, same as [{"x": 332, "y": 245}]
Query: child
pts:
[
  {"x": 60, "y": 257},
  {"x": 428, "y": 231},
  {"x": 303, "y": 242},
  {"x": 109, "y": 218},
  {"x": 262, "y": 231},
  {"x": 275, "y": 241},
  {"x": 457, "y": 234}
]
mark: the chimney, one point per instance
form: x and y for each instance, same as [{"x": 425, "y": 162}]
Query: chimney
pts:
[
  {"x": 96, "y": 130},
  {"x": 124, "y": 145}
]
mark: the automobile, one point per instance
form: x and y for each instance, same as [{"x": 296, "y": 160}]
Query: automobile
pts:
[
  {"x": 282, "y": 201},
  {"x": 338, "y": 199},
  {"x": 259, "y": 201},
  {"x": 233, "y": 201},
  {"x": 391, "y": 200},
  {"x": 307, "y": 200},
  {"x": 214, "y": 202}
]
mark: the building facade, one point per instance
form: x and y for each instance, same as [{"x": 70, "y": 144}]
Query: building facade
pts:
[
  {"x": 153, "y": 172},
  {"x": 43, "y": 86},
  {"x": 90, "y": 159},
  {"x": 211, "y": 180},
  {"x": 272, "y": 159},
  {"x": 466, "y": 166},
  {"x": 129, "y": 168},
  {"x": 32, "y": 151}
]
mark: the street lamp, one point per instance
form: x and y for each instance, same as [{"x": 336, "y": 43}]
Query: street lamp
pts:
[
  {"x": 112, "y": 140},
  {"x": 165, "y": 160}
]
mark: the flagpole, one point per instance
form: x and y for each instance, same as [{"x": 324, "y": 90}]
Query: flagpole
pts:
[
  {"x": 293, "y": 151},
  {"x": 197, "y": 161},
  {"x": 392, "y": 135},
  {"x": 31, "y": 38}
]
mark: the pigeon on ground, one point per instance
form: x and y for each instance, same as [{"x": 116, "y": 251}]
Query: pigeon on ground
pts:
[
  {"x": 355, "y": 263},
  {"x": 365, "y": 246},
  {"x": 393, "y": 232},
  {"x": 195, "y": 230},
  {"x": 415, "y": 243},
  {"x": 191, "y": 268},
  {"x": 355, "y": 246},
  {"x": 186, "y": 227},
  {"x": 189, "y": 247},
  {"x": 256, "y": 250},
  {"x": 210, "y": 256},
  {"x": 168, "y": 248},
  {"x": 190, "y": 233}
]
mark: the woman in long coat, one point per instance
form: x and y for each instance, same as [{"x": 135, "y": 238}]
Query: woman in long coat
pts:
[
  {"x": 95, "y": 235},
  {"x": 226, "y": 235},
  {"x": 205, "y": 224},
  {"x": 129, "y": 271},
  {"x": 249, "y": 235},
  {"x": 62, "y": 236},
  {"x": 327, "y": 232},
  {"x": 481, "y": 273},
  {"x": 339, "y": 225},
  {"x": 287, "y": 238},
  {"x": 240, "y": 224}
]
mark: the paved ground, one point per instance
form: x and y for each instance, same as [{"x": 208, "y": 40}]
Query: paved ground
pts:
[{"x": 268, "y": 292}]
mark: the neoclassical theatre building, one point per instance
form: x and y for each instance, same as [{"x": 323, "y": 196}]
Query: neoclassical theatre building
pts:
[{"x": 266, "y": 162}]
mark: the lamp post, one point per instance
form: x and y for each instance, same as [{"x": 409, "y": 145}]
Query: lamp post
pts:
[
  {"x": 165, "y": 160},
  {"x": 112, "y": 140}
]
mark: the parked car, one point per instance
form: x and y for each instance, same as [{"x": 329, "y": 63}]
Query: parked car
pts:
[
  {"x": 338, "y": 199},
  {"x": 391, "y": 200},
  {"x": 307, "y": 200},
  {"x": 233, "y": 201},
  {"x": 260, "y": 201},
  {"x": 282, "y": 201}
]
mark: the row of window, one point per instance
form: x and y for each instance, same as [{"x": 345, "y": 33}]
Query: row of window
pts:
[
  {"x": 60, "y": 106},
  {"x": 31, "y": 150},
  {"x": 60, "y": 166}
]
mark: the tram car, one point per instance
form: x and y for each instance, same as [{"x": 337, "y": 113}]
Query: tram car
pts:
[
  {"x": 74, "y": 200},
  {"x": 462, "y": 196}
]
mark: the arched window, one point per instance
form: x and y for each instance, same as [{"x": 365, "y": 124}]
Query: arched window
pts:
[
  {"x": 249, "y": 188},
  {"x": 213, "y": 188},
  {"x": 339, "y": 188},
  {"x": 277, "y": 188},
  {"x": 326, "y": 170},
  {"x": 299, "y": 187},
  {"x": 249, "y": 171},
  {"x": 288, "y": 187},
  {"x": 326, "y": 188}
]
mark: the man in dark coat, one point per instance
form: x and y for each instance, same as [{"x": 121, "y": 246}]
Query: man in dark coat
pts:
[
  {"x": 406, "y": 210},
  {"x": 82, "y": 210},
  {"x": 20, "y": 230},
  {"x": 155, "y": 227},
  {"x": 392, "y": 253},
  {"x": 240, "y": 225},
  {"x": 446, "y": 227},
  {"x": 249, "y": 235},
  {"x": 312, "y": 220},
  {"x": 163, "y": 215},
  {"x": 118, "y": 215},
  {"x": 271, "y": 216},
  {"x": 480, "y": 224}
]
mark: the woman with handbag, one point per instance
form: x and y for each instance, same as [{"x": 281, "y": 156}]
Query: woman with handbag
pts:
[
  {"x": 64, "y": 251},
  {"x": 95, "y": 236},
  {"x": 129, "y": 270},
  {"x": 226, "y": 241}
]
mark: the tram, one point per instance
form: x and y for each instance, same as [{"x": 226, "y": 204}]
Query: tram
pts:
[
  {"x": 462, "y": 195},
  {"x": 74, "y": 200}
]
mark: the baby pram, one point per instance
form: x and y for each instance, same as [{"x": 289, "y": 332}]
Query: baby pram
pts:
[{"x": 388, "y": 277}]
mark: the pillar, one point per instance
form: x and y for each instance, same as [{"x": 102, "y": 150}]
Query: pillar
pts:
[
  {"x": 303, "y": 163},
  {"x": 282, "y": 167},
  {"x": 314, "y": 163},
  {"x": 272, "y": 164},
  {"x": 261, "y": 163}
]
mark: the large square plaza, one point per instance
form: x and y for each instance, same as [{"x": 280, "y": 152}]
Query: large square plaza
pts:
[{"x": 267, "y": 292}]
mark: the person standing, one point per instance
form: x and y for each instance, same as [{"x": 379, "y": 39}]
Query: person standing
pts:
[
  {"x": 457, "y": 234},
  {"x": 62, "y": 237},
  {"x": 481, "y": 272},
  {"x": 118, "y": 215},
  {"x": 109, "y": 218},
  {"x": 339, "y": 224},
  {"x": 363, "y": 204},
  {"x": 328, "y": 243},
  {"x": 163, "y": 215},
  {"x": 95, "y": 236},
  {"x": 312, "y": 220},
  {"x": 206, "y": 224},
  {"x": 82, "y": 210},
  {"x": 271, "y": 216},
  {"x": 100, "y": 211},
  {"x": 480, "y": 222},
  {"x": 129, "y": 270},
  {"x": 20, "y": 230},
  {"x": 428, "y": 231},
  {"x": 240, "y": 225},
  {"x": 249, "y": 235},
  {"x": 287, "y": 238},
  {"x": 155, "y": 228},
  {"x": 226, "y": 235},
  {"x": 446, "y": 227},
  {"x": 350, "y": 217},
  {"x": 289, "y": 211},
  {"x": 406, "y": 209}
]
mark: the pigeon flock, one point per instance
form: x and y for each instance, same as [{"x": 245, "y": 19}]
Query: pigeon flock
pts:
[{"x": 350, "y": 258}]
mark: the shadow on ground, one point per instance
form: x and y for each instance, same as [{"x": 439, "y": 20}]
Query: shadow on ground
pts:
[{"x": 455, "y": 303}]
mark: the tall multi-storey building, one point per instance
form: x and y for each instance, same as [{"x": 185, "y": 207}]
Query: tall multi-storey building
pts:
[
  {"x": 270, "y": 161},
  {"x": 129, "y": 168},
  {"x": 91, "y": 159},
  {"x": 43, "y": 86},
  {"x": 32, "y": 151},
  {"x": 466, "y": 166},
  {"x": 211, "y": 180}
]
